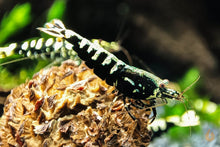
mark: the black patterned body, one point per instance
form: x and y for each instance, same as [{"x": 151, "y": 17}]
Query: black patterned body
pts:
[{"x": 131, "y": 81}]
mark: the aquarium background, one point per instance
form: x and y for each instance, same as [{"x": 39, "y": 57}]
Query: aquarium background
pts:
[{"x": 176, "y": 40}]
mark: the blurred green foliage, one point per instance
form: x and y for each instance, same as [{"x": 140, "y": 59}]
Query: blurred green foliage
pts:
[
  {"x": 22, "y": 69},
  {"x": 18, "y": 18},
  {"x": 57, "y": 10},
  {"x": 205, "y": 109}
]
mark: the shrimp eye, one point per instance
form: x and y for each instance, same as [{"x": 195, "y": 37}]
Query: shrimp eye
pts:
[{"x": 162, "y": 85}]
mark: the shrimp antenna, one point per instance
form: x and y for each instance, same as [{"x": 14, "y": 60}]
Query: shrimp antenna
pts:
[
  {"x": 187, "y": 88},
  {"x": 13, "y": 61}
]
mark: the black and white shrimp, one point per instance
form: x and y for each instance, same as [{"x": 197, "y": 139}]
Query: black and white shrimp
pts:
[
  {"x": 132, "y": 82},
  {"x": 51, "y": 48}
]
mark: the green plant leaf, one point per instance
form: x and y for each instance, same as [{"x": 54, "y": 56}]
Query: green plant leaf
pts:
[
  {"x": 57, "y": 10},
  {"x": 18, "y": 18}
]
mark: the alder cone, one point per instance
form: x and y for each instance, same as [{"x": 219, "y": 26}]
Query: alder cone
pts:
[{"x": 69, "y": 106}]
